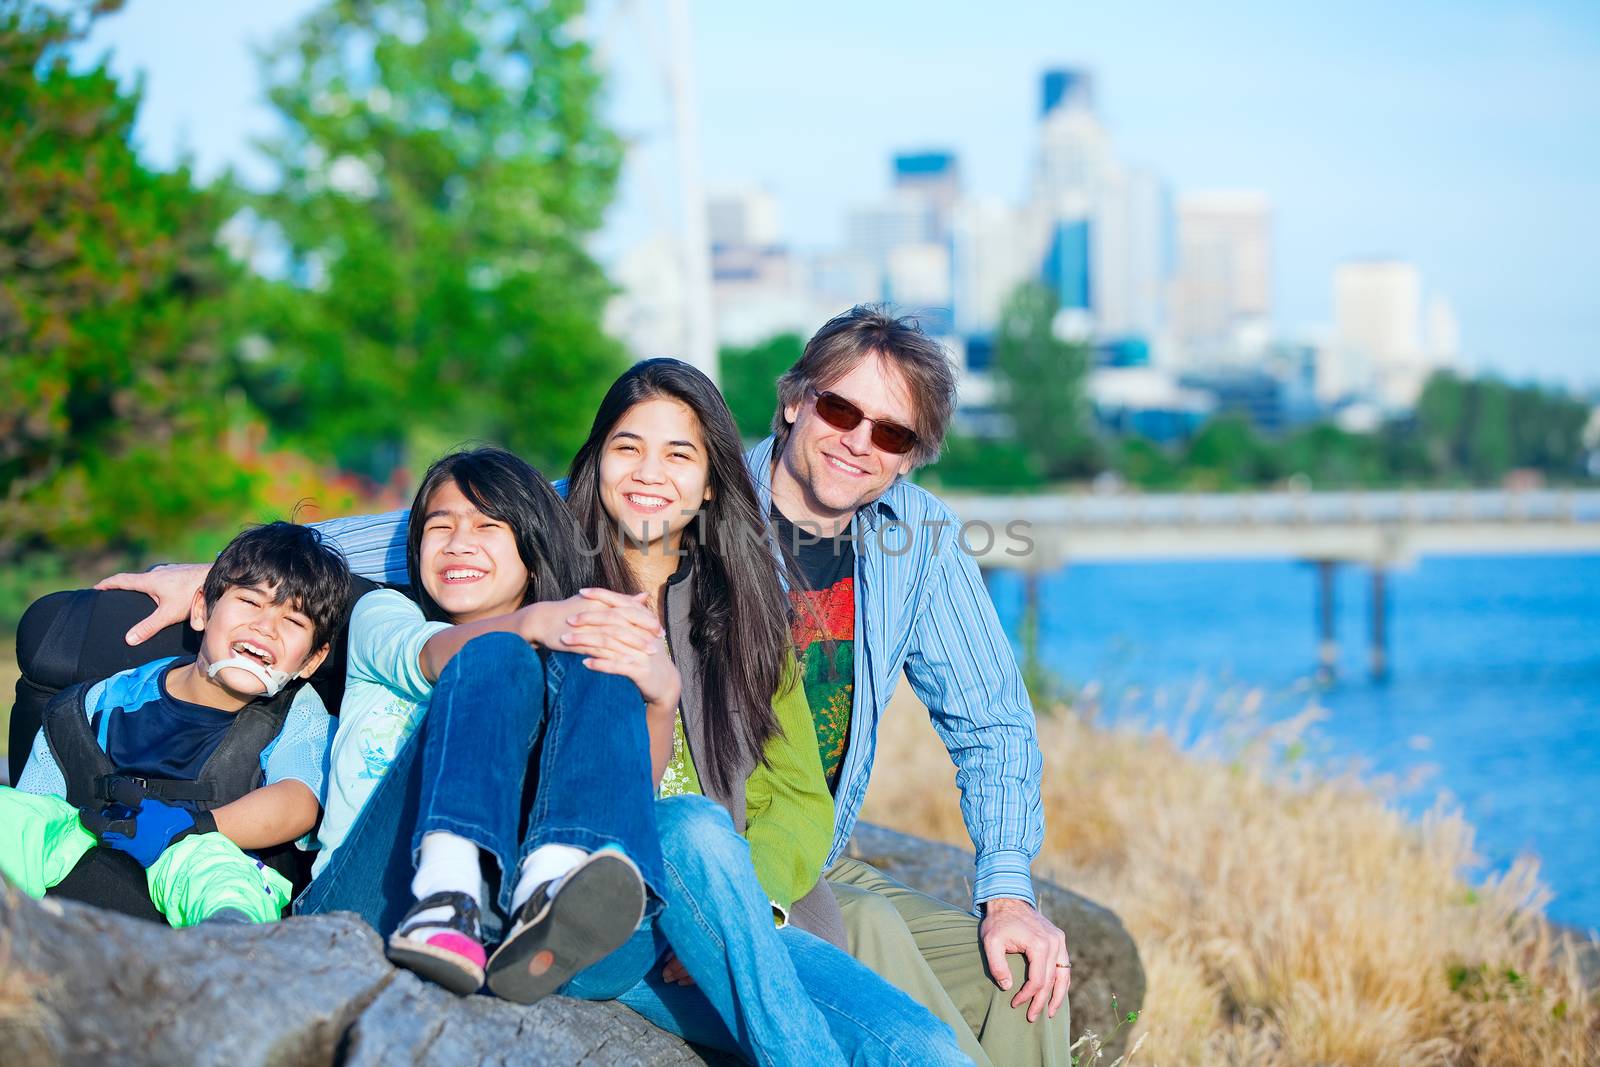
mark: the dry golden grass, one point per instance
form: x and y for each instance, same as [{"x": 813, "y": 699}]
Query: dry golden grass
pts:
[{"x": 1283, "y": 918}]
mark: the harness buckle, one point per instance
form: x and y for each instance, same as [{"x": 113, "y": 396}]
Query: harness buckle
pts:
[{"x": 105, "y": 785}]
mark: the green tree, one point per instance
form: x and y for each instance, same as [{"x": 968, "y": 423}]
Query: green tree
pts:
[
  {"x": 1147, "y": 464},
  {"x": 440, "y": 169},
  {"x": 1547, "y": 431},
  {"x": 1441, "y": 417},
  {"x": 112, "y": 418},
  {"x": 1480, "y": 428},
  {"x": 1333, "y": 458},
  {"x": 1228, "y": 454},
  {"x": 977, "y": 463},
  {"x": 750, "y": 380},
  {"x": 1041, "y": 384},
  {"x": 1488, "y": 431}
]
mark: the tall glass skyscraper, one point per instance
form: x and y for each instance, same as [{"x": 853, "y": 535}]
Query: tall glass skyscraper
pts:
[
  {"x": 1066, "y": 265},
  {"x": 1065, "y": 87}
]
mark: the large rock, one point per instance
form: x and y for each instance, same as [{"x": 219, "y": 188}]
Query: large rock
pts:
[
  {"x": 107, "y": 989},
  {"x": 82, "y": 986},
  {"x": 1105, "y": 961}
]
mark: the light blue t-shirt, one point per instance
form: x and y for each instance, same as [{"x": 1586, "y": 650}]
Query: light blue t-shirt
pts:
[
  {"x": 299, "y": 752},
  {"x": 385, "y": 696}
]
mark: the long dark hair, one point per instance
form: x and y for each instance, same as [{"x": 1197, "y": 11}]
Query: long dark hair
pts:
[
  {"x": 506, "y": 488},
  {"x": 741, "y": 622}
]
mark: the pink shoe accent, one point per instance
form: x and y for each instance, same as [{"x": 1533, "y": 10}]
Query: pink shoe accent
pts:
[{"x": 460, "y": 944}]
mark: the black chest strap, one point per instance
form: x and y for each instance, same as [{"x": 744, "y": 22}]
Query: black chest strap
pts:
[
  {"x": 72, "y": 742},
  {"x": 230, "y": 772}
]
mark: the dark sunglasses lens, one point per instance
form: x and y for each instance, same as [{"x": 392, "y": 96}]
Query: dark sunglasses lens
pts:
[
  {"x": 838, "y": 412},
  {"x": 893, "y": 438}
]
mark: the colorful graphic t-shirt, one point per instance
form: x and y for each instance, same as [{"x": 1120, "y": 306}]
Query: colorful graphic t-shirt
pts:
[{"x": 823, "y": 618}]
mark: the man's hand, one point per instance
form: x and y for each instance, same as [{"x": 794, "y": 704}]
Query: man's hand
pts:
[
  {"x": 1016, "y": 926},
  {"x": 171, "y": 585}
]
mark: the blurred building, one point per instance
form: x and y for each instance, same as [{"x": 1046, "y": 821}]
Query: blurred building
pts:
[
  {"x": 1173, "y": 296},
  {"x": 1443, "y": 334},
  {"x": 1133, "y": 258},
  {"x": 917, "y": 280},
  {"x": 990, "y": 257},
  {"x": 842, "y": 278},
  {"x": 648, "y": 314},
  {"x": 758, "y": 288},
  {"x": 1222, "y": 289},
  {"x": 1378, "y": 346},
  {"x": 745, "y": 216},
  {"x": 1073, "y": 163},
  {"x": 932, "y": 178},
  {"x": 1149, "y": 402},
  {"x": 1101, "y": 226}
]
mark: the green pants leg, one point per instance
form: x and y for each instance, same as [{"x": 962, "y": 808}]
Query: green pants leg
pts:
[
  {"x": 205, "y": 873},
  {"x": 930, "y": 949},
  {"x": 41, "y": 840}
]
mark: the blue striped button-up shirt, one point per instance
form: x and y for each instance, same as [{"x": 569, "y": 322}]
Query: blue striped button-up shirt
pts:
[{"x": 921, "y": 609}]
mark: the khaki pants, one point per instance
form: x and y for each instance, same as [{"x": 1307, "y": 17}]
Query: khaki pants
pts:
[{"x": 930, "y": 949}]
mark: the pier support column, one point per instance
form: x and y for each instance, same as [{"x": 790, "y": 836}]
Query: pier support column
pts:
[
  {"x": 1380, "y": 623},
  {"x": 1327, "y": 642},
  {"x": 1030, "y": 623}
]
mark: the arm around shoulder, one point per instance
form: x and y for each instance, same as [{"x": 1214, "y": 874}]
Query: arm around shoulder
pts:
[{"x": 373, "y": 545}]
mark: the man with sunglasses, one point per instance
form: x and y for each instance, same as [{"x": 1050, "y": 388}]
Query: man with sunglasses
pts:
[{"x": 887, "y": 589}]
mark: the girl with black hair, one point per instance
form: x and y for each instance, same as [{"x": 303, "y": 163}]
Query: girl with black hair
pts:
[
  {"x": 466, "y": 725},
  {"x": 741, "y": 957}
]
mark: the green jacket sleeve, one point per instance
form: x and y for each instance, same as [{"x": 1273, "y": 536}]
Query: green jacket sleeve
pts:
[{"x": 788, "y": 809}]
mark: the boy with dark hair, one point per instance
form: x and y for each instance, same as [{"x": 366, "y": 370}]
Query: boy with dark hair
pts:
[{"x": 191, "y": 765}]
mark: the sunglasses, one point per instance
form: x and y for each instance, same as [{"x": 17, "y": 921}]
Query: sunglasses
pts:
[{"x": 839, "y": 413}]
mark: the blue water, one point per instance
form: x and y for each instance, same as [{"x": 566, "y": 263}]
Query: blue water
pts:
[{"x": 1493, "y": 695}]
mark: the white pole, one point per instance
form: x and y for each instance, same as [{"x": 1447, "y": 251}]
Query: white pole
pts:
[{"x": 700, "y": 333}]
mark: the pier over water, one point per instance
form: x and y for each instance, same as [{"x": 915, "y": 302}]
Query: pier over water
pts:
[{"x": 1378, "y": 530}]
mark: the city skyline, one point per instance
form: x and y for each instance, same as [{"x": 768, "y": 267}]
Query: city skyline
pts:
[{"x": 1452, "y": 138}]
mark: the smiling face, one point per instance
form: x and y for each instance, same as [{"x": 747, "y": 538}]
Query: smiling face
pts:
[
  {"x": 244, "y": 621},
  {"x": 468, "y": 561},
  {"x": 825, "y": 474},
  {"x": 654, "y": 472}
]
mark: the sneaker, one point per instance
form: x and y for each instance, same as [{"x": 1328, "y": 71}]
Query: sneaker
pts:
[
  {"x": 452, "y": 956},
  {"x": 568, "y": 925}
]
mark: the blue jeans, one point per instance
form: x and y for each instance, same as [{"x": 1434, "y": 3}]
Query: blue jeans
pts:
[
  {"x": 469, "y": 769},
  {"x": 775, "y": 996}
]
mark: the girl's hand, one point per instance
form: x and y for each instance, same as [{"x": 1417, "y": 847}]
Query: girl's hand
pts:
[
  {"x": 620, "y": 623},
  {"x": 675, "y": 972},
  {"x": 654, "y": 672}
]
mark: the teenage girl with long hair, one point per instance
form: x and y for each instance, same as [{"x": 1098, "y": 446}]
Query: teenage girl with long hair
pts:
[
  {"x": 468, "y": 733},
  {"x": 741, "y": 957}
]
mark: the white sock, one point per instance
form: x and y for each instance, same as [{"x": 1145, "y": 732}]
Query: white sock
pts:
[
  {"x": 544, "y": 864},
  {"x": 449, "y": 863}
]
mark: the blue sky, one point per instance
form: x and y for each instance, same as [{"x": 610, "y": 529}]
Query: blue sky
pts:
[{"x": 1463, "y": 136}]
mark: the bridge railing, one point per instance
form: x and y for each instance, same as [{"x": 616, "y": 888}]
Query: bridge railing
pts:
[{"x": 1287, "y": 508}]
